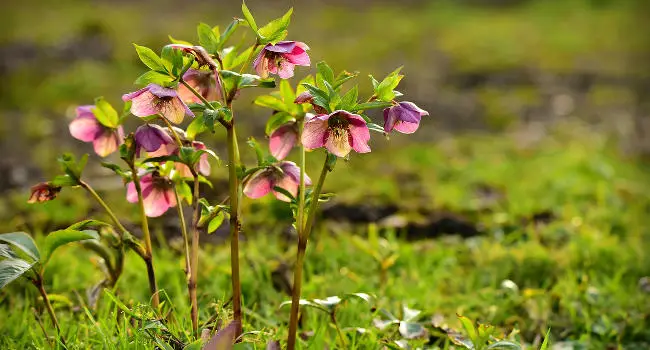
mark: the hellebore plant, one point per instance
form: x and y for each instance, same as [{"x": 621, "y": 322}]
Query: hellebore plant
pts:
[{"x": 163, "y": 165}]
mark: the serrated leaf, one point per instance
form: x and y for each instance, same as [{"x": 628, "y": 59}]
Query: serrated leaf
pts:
[
  {"x": 149, "y": 58},
  {"x": 248, "y": 16},
  {"x": 153, "y": 77},
  {"x": 276, "y": 30},
  {"x": 22, "y": 241},
  {"x": 10, "y": 269},
  {"x": 207, "y": 38},
  {"x": 59, "y": 238},
  {"x": 105, "y": 113}
]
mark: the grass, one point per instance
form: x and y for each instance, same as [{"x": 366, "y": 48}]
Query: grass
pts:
[{"x": 577, "y": 274}]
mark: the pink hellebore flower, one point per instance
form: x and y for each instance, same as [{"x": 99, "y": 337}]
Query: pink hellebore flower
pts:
[
  {"x": 85, "y": 127},
  {"x": 154, "y": 139},
  {"x": 157, "y": 193},
  {"x": 403, "y": 117},
  {"x": 155, "y": 99},
  {"x": 282, "y": 140},
  {"x": 281, "y": 58},
  {"x": 285, "y": 175},
  {"x": 203, "y": 165},
  {"x": 339, "y": 132},
  {"x": 203, "y": 82}
]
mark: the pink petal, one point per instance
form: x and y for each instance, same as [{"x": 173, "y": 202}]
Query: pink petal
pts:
[
  {"x": 85, "y": 128},
  {"x": 298, "y": 57},
  {"x": 359, "y": 134},
  {"x": 144, "y": 104},
  {"x": 293, "y": 171},
  {"x": 290, "y": 185},
  {"x": 173, "y": 110},
  {"x": 164, "y": 150},
  {"x": 406, "y": 127},
  {"x": 315, "y": 132},
  {"x": 183, "y": 171},
  {"x": 282, "y": 141},
  {"x": 261, "y": 65},
  {"x": 259, "y": 185},
  {"x": 338, "y": 143},
  {"x": 286, "y": 69},
  {"x": 131, "y": 193},
  {"x": 204, "y": 165},
  {"x": 106, "y": 143},
  {"x": 158, "y": 202},
  {"x": 390, "y": 118}
]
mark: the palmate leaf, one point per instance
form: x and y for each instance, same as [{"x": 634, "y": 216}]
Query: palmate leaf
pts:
[
  {"x": 59, "y": 238},
  {"x": 10, "y": 269},
  {"x": 22, "y": 241}
]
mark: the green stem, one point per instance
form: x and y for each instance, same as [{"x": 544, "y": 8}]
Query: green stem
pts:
[
  {"x": 194, "y": 256},
  {"x": 103, "y": 204},
  {"x": 186, "y": 241},
  {"x": 171, "y": 129},
  {"x": 303, "y": 237},
  {"x": 146, "y": 236},
  {"x": 235, "y": 225},
  {"x": 38, "y": 282},
  {"x": 338, "y": 330},
  {"x": 248, "y": 60}
]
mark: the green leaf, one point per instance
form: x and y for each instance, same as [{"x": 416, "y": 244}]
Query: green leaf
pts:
[
  {"x": 468, "y": 325},
  {"x": 349, "y": 100},
  {"x": 546, "y": 342},
  {"x": 207, "y": 38},
  {"x": 342, "y": 78},
  {"x": 63, "y": 181},
  {"x": 370, "y": 105},
  {"x": 10, "y": 269},
  {"x": 228, "y": 32},
  {"x": 376, "y": 128},
  {"x": 277, "y": 120},
  {"x": 271, "y": 102},
  {"x": 82, "y": 225},
  {"x": 177, "y": 41},
  {"x": 321, "y": 98},
  {"x": 184, "y": 191},
  {"x": 197, "y": 126},
  {"x": 105, "y": 113},
  {"x": 22, "y": 241},
  {"x": 304, "y": 302},
  {"x": 149, "y": 58},
  {"x": 124, "y": 174},
  {"x": 276, "y": 30},
  {"x": 284, "y": 192},
  {"x": 248, "y": 16},
  {"x": 59, "y": 238},
  {"x": 384, "y": 91},
  {"x": 6, "y": 252},
  {"x": 326, "y": 72},
  {"x": 155, "y": 78},
  {"x": 286, "y": 91},
  {"x": 504, "y": 345},
  {"x": 216, "y": 222},
  {"x": 328, "y": 303}
]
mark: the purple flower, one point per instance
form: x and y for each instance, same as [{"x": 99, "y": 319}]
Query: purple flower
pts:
[
  {"x": 154, "y": 139},
  {"x": 282, "y": 140},
  {"x": 201, "y": 81},
  {"x": 203, "y": 165},
  {"x": 285, "y": 175},
  {"x": 155, "y": 99},
  {"x": 157, "y": 194},
  {"x": 403, "y": 117},
  {"x": 339, "y": 132},
  {"x": 281, "y": 58},
  {"x": 85, "y": 127},
  {"x": 43, "y": 192}
]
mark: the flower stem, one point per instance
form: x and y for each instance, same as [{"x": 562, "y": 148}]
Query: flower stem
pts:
[
  {"x": 338, "y": 330},
  {"x": 146, "y": 236},
  {"x": 235, "y": 225},
  {"x": 303, "y": 237},
  {"x": 103, "y": 204},
  {"x": 171, "y": 129},
  {"x": 38, "y": 282},
  {"x": 194, "y": 256},
  {"x": 186, "y": 244}
]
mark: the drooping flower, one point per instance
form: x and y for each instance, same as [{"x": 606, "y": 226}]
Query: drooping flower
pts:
[
  {"x": 201, "y": 81},
  {"x": 154, "y": 139},
  {"x": 43, "y": 192},
  {"x": 403, "y": 117},
  {"x": 203, "y": 165},
  {"x": 282, "y": 140},
  {"x": 285, "y": 175},
  {"x": 281, "y": 59},
  {"x": 306, "y": 97},
  {"x": 157, "y": 194},
  {"x": 85, "y": 127},
  {"x": 155, "y": 99},
  {"x": 339, "y": 132}
]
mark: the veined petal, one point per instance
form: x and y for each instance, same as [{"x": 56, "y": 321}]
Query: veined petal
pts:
[
  {"x": 406, "y": 127},
  {"x": 106, "y": 143},
  {"x": 282, "y": 141},
  {"x": 85, "y": 128},
  {"x": 315, "y": 132},
  {"x": 173, "y": 110},
  {"x": 144, "y": 104},
  {"x": 338, "y": 142},
  {"x": 259, "y": 185}
]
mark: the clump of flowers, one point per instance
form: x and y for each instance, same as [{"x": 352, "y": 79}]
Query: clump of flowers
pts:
[{"x": 163, "y": 164}]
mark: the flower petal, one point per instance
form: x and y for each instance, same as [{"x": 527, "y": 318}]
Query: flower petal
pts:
[
  {"x": 259, "y": 185},
  {"x": 315, "y": 132},
  {"x": 261, "y": 65},
  {"x": 282, "y": 141},
  {"x": 289, "y": 184},
  {"x": 359, "y": 134},
  {"x": 174, "y": 110},
  {"x": 293, "y": 171},
  {"x": 151, "y": 137},
  {"x": 144, "y": 104},
  {"x": 339, "y": 143},
  {"x": 406, "y": 127},
  {"x": 106, "y": 143},
  {"x": 285, "y": 70},
  {"x": 85, "y": 128},
  {"x": 158, "y": 202},
  {"x": 298, "y": 57},
  {"x": 281, "y": 47}
]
